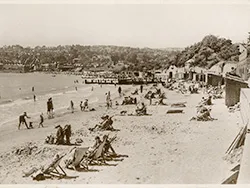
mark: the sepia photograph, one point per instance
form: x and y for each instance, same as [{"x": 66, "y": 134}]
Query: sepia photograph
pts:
[{"x": 124, "y": 92}]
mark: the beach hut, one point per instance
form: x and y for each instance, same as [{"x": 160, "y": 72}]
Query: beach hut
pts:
[
  {"x": 214, "y": 79},
  {"x": 233, "y": 87}
]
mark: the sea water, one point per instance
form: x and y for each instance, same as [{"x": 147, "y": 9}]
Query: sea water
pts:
[{"x": 17, "y": 94}]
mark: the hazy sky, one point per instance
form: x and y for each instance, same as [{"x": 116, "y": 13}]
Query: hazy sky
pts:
[{"x": 156, "y": 26}]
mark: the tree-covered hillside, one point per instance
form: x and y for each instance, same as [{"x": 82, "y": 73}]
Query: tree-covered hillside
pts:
[
  {"x": 208, "y": 52},
  {"x": 205, "y": 54}
]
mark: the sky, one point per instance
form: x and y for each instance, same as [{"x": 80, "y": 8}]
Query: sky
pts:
[{"x": 135, "y": 25}]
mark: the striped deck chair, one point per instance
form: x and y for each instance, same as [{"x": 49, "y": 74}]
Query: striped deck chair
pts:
[{"x": 98, "y": 154}]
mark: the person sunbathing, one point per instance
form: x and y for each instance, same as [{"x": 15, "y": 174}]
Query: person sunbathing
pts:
[
  {"x": 39, "y": 173},
  {"x": 105, "y": 125},
  {"x": 142, "y": 110},
  {"x": 97, "y": 142},
  {"x": 135, "y": 92},
  {"x": 108, "y": 147},
  {"x": 203, "y": 114},
  {"x": 128, "y": 100}
]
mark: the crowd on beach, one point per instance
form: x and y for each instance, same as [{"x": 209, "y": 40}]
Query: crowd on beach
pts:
[{"x": 102, "y": 149}]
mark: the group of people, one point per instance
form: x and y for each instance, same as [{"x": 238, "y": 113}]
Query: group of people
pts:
[
  {"x": 129, "y": 100},
  {"x": 203, "y": 112},
  {"x": 62, "y": 136},
  {"x": 83, "y": 105},
  {"x": 157, "y": 94},
  {"x": 22, "y": 120},
  {"x": 141, "y": 110}
]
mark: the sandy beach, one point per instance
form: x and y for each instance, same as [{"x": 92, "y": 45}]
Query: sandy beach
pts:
[{"x": 162, "y": 148}]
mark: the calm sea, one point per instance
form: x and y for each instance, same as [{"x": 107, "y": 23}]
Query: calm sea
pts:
[{"x": 17, "y": 95}]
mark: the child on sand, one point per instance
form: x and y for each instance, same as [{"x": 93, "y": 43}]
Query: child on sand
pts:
[
  {"x": 81, "y": 106},
  {"x": 85, "y": 105}
]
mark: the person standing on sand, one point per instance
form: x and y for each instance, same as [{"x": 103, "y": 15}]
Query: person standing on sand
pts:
[
  {"x": 67, "y": 133},
  {"x": 72, "y": 106},
  {"x": 59, "y": 135},
  {"x": 34, "y": 97},
  {"x": 141, "y": 88},
  {"x": 81, "y": 106},
  {"x": 41, "y": 120},
  {"x": 33, "y": 89},
  {"x": 120, "y": 91},
  {"x": 23, "y": 120},
  {"x": 50, "y": 108},
  {"x": 108, "y": 99}
]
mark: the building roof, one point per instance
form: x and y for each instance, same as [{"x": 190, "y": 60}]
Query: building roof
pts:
[{"x": 247, "y": 47}]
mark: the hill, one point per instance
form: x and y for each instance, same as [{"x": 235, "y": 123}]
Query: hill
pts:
[
  {"x": 208, "y": 52},
  {"x": 117, "y": 58}
]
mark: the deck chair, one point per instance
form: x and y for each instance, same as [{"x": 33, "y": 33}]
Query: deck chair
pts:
[
  {"x": 54, "y": 167},
  {"x": 97, "y": 155},
  {"x": 75, "y": 157}
]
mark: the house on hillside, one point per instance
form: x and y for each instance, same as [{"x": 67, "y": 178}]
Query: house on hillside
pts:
[
  {"x": 243, "y": 67},
  {"x": 181, "y": 73},
  {"x": 172, "y": 72},
  {"x": 189, "y": 69},
  {"x": 199, "y": 74}
]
